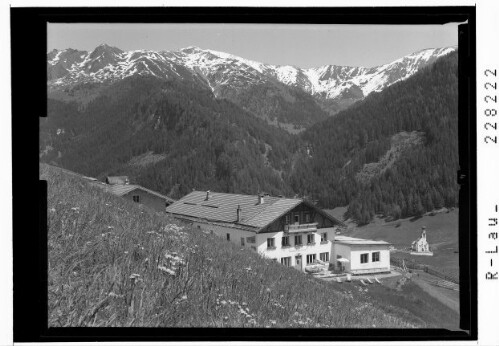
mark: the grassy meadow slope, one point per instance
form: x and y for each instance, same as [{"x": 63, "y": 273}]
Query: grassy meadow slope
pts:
[{"x": 115, "y": 263}]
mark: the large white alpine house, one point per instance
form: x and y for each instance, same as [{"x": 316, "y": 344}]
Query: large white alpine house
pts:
[{"x": 291, "y": 231}]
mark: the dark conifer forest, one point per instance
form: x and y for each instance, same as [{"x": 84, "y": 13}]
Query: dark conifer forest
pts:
[
  {"x": 201, "y": 142},
  {"x": 422, "y": 179}
]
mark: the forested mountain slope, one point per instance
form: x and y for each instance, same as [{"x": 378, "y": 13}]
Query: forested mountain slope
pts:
[
  {"x": 393, "y": 153},
  {"x": 202, "y": 142},
  {"x": 403, "y": 142}
]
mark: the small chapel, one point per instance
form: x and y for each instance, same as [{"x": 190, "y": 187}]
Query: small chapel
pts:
[{"x": 421, "y": 245}]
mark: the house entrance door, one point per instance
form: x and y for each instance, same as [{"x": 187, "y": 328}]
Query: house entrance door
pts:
[{"x": 298, "y": 264}]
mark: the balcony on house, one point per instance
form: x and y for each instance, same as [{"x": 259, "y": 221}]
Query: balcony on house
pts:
[{"x": 300, "y": 228}]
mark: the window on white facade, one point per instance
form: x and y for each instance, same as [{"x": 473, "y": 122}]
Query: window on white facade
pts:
[
  {"x": 270, "y": 243},
  {"x": 324, "y": 256},
  {"x": 242, "y": 241},
  {"x": 298, "y": 240},
  {"x": 228, "y": 236},
  {"x": 323, "y": 237},
  {"x": 375, "y": 256},
  {"x": 364, "y": 258},
  {"x": 136, "y": 198},
  {"x": 286, "y": 261},
  {"x": 285, "y": 241},
  {"x": 310, "y": 238},
  {"x": 310, "y": 258}
]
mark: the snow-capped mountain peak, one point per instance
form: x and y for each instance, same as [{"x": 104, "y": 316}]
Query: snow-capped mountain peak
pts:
[{"x": 224, "y": 72}]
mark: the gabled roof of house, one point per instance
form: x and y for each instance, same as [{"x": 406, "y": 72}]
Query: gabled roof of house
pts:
[
  {"x": 117, "y": 189},
  {"x": 221, "y": 207},
  {"x": 341, "y": 239},
  {"x": 121, "y": 190}
]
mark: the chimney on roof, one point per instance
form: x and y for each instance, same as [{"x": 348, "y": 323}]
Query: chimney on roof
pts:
[
  {"x": 239, "y": 211},
  {"x": 207, "y": 195},
  {"x": 260, "y": 199}
]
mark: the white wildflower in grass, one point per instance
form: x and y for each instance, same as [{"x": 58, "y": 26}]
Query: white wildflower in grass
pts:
[
  {"x": 126, "y": 252},
  {"x": 184, "y": 297},
  {"x": 134, "y": 276},
  {"x": 273, "y": 321},
  {"x": 52, "y": 210},
  {"x": 268, "y": 290},
  {"x": 75, "y": 208},
  {"x": 244, "y": 304},
  {"x": 226, "y": 318},
  {"x": 114, "y": 295},
  {"x": 248, "y": 268},
  {"x": 223, "y": 302},
  {"x": 166, "y": 270},
  {"x": 110, "y": 227}
]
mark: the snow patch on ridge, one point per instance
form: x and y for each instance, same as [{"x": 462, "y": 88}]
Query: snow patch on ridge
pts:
[{"x": 226, "y": 70}]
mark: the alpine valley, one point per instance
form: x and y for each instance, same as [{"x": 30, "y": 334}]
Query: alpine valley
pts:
[{"x": 382, "y": 140}]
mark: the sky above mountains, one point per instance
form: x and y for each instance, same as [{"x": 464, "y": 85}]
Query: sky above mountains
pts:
[{"x": 303, "y": 46}]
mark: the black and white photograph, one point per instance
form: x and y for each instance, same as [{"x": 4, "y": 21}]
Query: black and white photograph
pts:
[
  {"x": 255, "y": 176},
  {"x": 238, "y": 175}
]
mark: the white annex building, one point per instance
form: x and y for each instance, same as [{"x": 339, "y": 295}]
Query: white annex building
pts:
[
  {"x": 361, "y": 256},
  {"x": 291, "y": 231}
]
